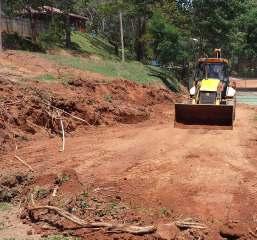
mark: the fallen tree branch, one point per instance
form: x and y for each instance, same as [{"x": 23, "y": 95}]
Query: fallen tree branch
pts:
[
  {"x": 24, "y": 163},
  {"x": 75, "y": 117},
  {"x": 21, "y": 160},
  {"x": 252, "y": 233},
  {"x": 190, "y": 224},
  {"x": 122, "y": 228}
]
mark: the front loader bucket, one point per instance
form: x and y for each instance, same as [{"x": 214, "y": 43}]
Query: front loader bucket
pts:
[{"x": 204, "y": 114}]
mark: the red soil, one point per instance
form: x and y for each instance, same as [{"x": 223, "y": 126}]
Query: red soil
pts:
[{"x": 130, "y": 156}]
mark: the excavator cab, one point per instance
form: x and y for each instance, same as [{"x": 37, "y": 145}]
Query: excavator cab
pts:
[
  {"x": 210, "y": 71},
  {"x": 217, "y": 70},
  {"x": 211, "y": 98}
]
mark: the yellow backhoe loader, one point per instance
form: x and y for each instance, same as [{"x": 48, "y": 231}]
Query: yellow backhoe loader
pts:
[{"x": 212, "y": 98}]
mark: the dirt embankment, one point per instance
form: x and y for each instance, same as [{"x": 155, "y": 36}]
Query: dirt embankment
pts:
[{"x": 28, "y": 107}]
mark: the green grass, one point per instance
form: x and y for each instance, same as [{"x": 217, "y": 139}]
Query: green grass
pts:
[
  {"x": 46, "y": 78},
  {"x": 108, "y": 98},
  {"x": 5, "y": 206},
  {"x": 133, "y": 70},
  {"x": 164, "y": 212},
  {"x": 106, "y": 62},
  {"x": 61, "y": 179},
  {"x": 86, "y": 43},
  {"x": 109, "y": 64}
]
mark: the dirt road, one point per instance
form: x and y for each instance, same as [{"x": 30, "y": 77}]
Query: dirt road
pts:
[
  {"x": 206, "y": 174},
  {"x": 156, "y": 169}
]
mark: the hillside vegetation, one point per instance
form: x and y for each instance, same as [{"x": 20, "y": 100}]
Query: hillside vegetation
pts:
[
  {"x": 171, "y": 33},
  {"x": 96, "y": 55}
]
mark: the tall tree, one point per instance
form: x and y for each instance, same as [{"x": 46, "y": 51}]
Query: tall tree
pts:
[
  {"x": 1, "y": 44},
  {"x": 122, "y": 38},
  {"x": 67, "y": 6},
  {"x": 213, "y": 22}
]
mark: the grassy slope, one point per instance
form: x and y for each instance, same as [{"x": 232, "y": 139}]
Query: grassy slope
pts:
[
  {"x": 93, "y": 45},
  {"x": 103, "y": 60}
]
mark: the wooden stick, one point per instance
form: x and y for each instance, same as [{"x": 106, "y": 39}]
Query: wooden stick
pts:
[
  {"x": 32, "y": 199},
  {"x": 55, "y": 191},
  {"x": 75, "y": 117},
  {"x": 26, "y": 164},
  {"x": 137, "y": 230},
  {"x": 190, "y": 224},
  {"x": 63, "y": 136},
  {"x": 252, "y": 233}
]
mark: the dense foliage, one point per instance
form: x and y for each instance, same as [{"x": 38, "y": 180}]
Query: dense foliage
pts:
[{"x": 173, "y": 33}]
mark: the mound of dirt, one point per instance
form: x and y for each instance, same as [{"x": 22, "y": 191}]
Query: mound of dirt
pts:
[
  {"x": 28, "y": 107},
  {"x": 88, "y": 203},
  {"x": 67, "y": 193}
]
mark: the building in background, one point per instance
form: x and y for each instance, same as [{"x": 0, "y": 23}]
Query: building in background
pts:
[{"x": 31, "y": 22}]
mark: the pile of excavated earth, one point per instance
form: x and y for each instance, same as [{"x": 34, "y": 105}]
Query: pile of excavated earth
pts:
[
  {"x": 83, "y": 101},
  {"x": 27, "y": 107}
]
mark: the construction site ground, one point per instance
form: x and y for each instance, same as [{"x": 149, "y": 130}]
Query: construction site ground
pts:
[{"x": 123, "y": 161}]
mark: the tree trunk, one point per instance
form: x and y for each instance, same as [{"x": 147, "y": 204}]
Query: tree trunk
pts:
[
  {"x": 139, "y": 45},
  {"x": 1, "y": 44},
  {"x": 67, "y": 31},
  {"x": 115, "y": 45},
  {"x": 32, "y": 26},
  {"x": 116, "y": 49},
  {"x": 122, "y": 39},
  {"x": 103, "y": 25}
]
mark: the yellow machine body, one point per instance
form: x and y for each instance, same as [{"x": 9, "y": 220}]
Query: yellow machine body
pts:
[
  {"x": 209, "y": 104},
  {"x": 210, "y": 85}
]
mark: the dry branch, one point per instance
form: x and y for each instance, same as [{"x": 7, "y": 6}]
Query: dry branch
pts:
[
  {"x": 59, "y": 109},
  {"x": 190, "y": 224},
  {"x": 55, "y": 191},
  {"x": 63, "y": 136},
  {"x": 32, "y": 199},
  {"x": 21, "y": 160},
  {"x": 122, "y": 228},
  {"x": 252, "y": 233},
  {"x": 24, "y": 163}
]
